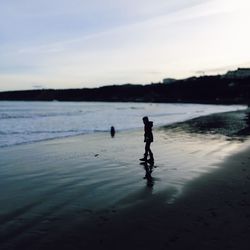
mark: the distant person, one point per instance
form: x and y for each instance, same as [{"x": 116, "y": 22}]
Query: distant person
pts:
[
  {"x": 112, "y": 131},
  {"x": 148, "y": 139}
]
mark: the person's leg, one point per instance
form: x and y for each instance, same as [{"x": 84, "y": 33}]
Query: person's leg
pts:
[
  {"x": 151, "y": 154},
  {"x": 147, "y": 149}
]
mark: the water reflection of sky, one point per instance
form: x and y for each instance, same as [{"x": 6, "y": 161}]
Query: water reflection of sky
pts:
[{"x": 188, "y": 150}]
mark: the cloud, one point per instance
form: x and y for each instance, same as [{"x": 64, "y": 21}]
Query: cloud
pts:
[{"x": 125, "y": 42}]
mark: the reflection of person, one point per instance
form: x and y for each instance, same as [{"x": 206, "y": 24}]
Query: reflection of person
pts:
[
  {"x": 148, "y": 138},
  {"x": 148, "y": 169}
]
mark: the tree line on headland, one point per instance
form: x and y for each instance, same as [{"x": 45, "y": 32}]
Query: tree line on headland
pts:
[{"x": 205, "y": 89}]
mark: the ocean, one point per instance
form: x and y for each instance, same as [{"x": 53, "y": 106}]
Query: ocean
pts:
[{"x": 27, "y": 122}]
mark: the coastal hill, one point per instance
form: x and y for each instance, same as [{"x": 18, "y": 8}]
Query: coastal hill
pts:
[{"x": 230, "y": 88}]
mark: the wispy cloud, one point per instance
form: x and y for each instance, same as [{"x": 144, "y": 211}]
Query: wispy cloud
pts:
[
  {"x": 166, "y": 12},
  {"x": 118, "y": 41}
]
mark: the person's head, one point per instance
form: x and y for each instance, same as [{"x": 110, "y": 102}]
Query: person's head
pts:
[{"x": 145, "y": 119}]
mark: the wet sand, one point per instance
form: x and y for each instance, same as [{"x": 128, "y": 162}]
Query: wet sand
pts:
[{"x": 90, "y": 191}]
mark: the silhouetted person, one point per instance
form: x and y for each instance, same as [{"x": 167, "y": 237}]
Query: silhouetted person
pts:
[
  {"x": 148, "y": 139},
  {"x": 247, "y": 119},
  {"x": 112, "y": 131}
]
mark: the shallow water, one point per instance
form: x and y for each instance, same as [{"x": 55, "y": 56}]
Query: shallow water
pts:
[
  {"x": 50, "y": 184},
  {"x": 26, "y": 122}
]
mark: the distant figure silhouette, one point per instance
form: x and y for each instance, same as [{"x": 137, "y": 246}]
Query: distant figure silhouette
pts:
[
  {"x": 247, "y": 119},
  {"x": 246, "y": 130},
  {"x": 112, "y": 131},
  {"x": 148, "y": 138}
]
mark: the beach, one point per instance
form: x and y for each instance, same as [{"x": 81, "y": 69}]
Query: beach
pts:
[{"x": 91, "y": 192}]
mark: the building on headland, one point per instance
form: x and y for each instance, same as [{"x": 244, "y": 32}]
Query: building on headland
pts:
[
  {"x": 239, "y": 73},
  {"x": 168, "y": 80}
]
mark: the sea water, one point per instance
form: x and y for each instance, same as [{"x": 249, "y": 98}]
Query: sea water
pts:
[{"x": 27, "y": 122}]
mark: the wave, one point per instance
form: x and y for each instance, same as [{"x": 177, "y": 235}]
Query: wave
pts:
[
  {"x": 45, "y": 122},
  {"x": 43, "y": 115},
  {"x": 41, "y": 132},
  {"x": 38, "y": 136},
  {"x": 36, "y": 140}
]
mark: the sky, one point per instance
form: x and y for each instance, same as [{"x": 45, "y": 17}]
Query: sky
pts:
[{"x": 91, "y": 43}]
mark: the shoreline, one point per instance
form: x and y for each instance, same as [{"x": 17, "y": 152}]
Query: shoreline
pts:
[
  {"x": 64, "y": 194},
  {"x": 179, "y": 124}
]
